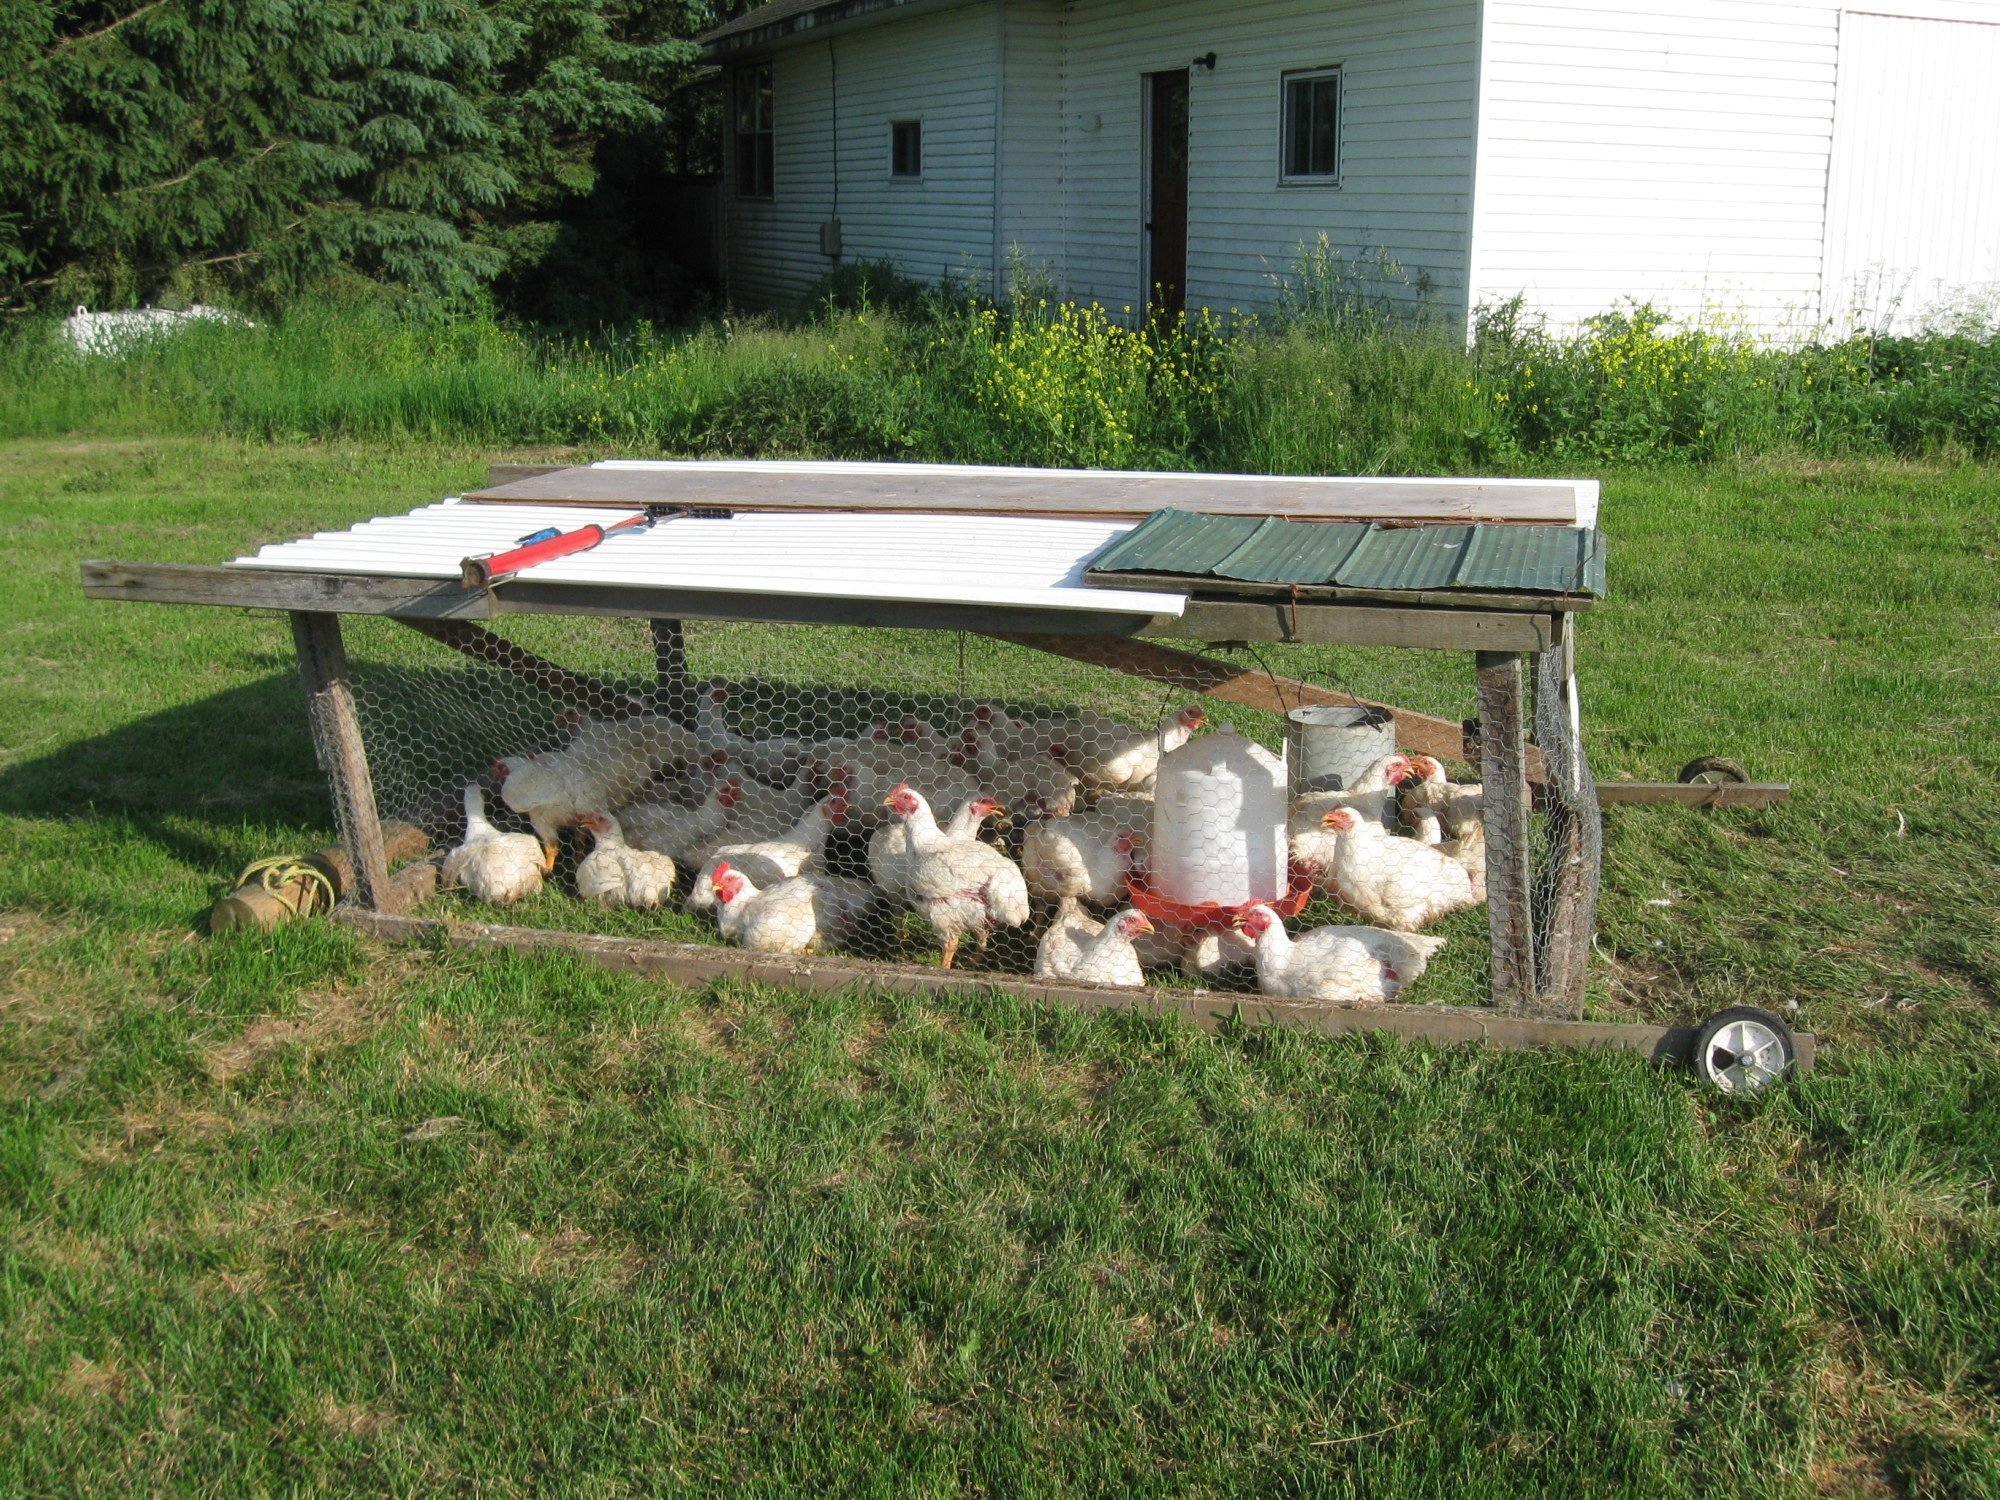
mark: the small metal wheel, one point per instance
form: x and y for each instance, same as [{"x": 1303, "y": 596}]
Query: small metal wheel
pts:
[
  {"x": 1742, "y": 1051},
  {"x": 1713, "y": 770}
]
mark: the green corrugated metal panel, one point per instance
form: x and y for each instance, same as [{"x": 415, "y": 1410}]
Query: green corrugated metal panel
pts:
[
  {"x": 1194, "y": 544},
  {"x": 1528, "y": 559},
  {"x": 1408, "y": 557},
  {"x": 1279, "y": 552}
]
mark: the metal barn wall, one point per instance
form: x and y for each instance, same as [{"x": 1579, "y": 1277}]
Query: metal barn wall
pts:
[
  {"x": 1681, "y": 154},
  {"x": 1913, "y": 189}
]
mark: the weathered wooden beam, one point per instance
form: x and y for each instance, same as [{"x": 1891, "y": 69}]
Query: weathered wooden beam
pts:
[
  {"x": 1211, "y": 588},
  {"x": 499, "y": 474},
  {"x": 953, "y": 489},
  {"x": 1252, "y": 687},
  {"x": 1434, "y": 629},
  {"x": 1509, "y": 882},
  {"x": 695, "y": 964},
  {"x": 1678, "y": 794},
  {"x": 565, "y": 686},
  {"x": 336, "y": 731},
  {"x": 1431, "y": 628},
  {"x": 272, "y": 588}
]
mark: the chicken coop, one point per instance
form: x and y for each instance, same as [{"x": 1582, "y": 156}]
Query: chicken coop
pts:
[{"x": 1109, "y": 739}]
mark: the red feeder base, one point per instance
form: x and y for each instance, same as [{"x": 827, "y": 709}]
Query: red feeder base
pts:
[{"x": 1213, "y": 916}]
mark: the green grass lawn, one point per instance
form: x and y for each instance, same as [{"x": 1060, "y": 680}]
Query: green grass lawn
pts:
[{"x": 301, "y": 1214}]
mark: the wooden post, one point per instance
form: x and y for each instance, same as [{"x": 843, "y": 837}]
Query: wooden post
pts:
[
  {"x": 1504, "y": 770},
  {"x": 670, "y": 667},
  {"x": 336, "y": 730}
]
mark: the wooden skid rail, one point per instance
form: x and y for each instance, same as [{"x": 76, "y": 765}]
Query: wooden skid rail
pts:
[{"x": 694, "y": 964}]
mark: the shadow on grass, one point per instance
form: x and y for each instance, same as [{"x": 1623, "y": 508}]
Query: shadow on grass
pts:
[{"x": 240, "y": 757}]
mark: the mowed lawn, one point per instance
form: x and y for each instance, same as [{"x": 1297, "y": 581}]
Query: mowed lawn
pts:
[{"x": 301, "y": 1214}]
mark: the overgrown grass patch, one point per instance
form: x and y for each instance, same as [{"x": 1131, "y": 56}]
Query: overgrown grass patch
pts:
[{"x": 1329, "y": 383}]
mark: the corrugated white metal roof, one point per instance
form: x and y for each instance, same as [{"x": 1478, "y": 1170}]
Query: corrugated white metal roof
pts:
[{"x": 1004, "y": 561}]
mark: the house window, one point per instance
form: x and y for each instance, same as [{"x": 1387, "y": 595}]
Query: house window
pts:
[
  {"x": 756, "y": 153},
  {"x": 906, "y": 148},
  {"x": 1311, "y": 149}
]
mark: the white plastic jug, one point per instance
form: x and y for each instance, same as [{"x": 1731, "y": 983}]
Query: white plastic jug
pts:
[{"x": 1219, "y": 823}]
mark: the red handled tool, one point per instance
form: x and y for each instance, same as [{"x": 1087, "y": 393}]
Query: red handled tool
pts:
[{"x": 543, "y": 546}]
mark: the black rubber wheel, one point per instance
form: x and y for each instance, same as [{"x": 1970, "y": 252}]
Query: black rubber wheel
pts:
[
  {"x": 1713, "y": 770},
  {"x": 1742, "y": 1051}
]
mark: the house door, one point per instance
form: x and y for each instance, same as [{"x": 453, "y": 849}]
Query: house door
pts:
[{"x": 1166, "y": 191}]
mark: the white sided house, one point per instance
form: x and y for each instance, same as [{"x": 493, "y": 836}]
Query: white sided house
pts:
[{"x": 1787, "y": 164}]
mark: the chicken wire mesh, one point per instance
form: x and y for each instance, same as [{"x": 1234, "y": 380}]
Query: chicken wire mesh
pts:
[
  {"x": 927, "y": 797},
  {"x": 1570, "y": 836}
]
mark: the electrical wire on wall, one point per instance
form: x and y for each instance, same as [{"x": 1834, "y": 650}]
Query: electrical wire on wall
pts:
[{"x": 833, "y": 90}]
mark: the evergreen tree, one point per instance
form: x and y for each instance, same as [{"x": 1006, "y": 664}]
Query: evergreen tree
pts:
[{"x": 265, "y": 143}]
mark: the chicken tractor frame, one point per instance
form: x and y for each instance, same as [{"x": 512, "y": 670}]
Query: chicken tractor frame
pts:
[{"x": 1184, "y": 582}]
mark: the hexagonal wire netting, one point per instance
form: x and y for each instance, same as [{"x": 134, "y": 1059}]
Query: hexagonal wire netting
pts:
[{"x": 934, "y": 797}]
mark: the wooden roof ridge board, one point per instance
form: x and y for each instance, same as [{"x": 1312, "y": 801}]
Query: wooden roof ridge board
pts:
[
  {"x": 1531, "y": 560},
  {"x": 763, "y": 484}
]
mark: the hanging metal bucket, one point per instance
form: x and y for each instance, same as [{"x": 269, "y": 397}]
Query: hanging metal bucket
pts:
[{"x": 1329, "y": 748}]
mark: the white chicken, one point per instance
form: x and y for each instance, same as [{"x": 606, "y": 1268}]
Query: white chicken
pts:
[
  {"x": 1373, "y": 794},
  {"x": 778, "y": 759},
  {"x": 871, "y": 775},
  {"x": 1086, "y": 855},
  {"x": 1348, "y": 965},
  {"x": 765, "y": 862},
  {"x": 891, "y": 860},
  {"x": 1077, "y": 947},
  {"x": 798, "y": 915},
  {"x": 1469, "y": 849},
  {"x": 497, "y": 868},
  {"x": 674, "y": 829},
  {"x": 1395, "y": 882},
  {"x": 960, "y": 885},
  {"x": 1061, "y": 947},
  {"x": 1107, "y": 756},
  {"x": 1209, "y": 954},
  {"x": 1437, "y": 809},
  {"x": 616, "y": 874},
  {"x": 755, "y": 810},
  {"x": 605, "y": 764},
  {"x": 1032, "y": 784}
]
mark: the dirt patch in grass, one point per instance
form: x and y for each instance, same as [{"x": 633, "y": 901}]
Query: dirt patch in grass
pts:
[
  {"x": 92, "y": 1381},
  {"x": 336, "y": 1017},
  {"x": 354, "y": 1419}
]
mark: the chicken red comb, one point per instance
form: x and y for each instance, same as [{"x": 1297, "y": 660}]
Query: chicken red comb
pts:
[
  {"x": 730, "y": 793},
  {"x": 722, "y": 868}
]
